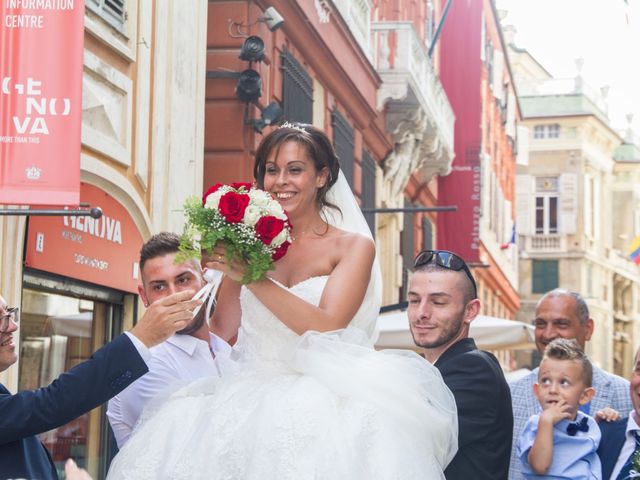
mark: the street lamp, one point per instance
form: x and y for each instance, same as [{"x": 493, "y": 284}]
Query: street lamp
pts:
[{"x": 249, "y": 86}]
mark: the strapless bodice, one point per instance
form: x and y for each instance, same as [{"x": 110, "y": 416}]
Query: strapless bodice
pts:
[{"x": 261, "y": 333}]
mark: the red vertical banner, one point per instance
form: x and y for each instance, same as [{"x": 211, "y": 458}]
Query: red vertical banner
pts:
[
  {"x": 41, "y": 48},
  {"x": 461, "y": 76}
]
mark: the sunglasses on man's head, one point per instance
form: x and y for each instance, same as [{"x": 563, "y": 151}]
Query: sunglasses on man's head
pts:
[{"x": 445, "y": 259}]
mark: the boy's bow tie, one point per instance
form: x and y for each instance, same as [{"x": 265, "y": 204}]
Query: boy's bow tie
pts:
[{"x": 574, "y": 427}]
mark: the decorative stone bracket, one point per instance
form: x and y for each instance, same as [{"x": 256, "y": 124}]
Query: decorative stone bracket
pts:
[{"x": 417, "y": 147}]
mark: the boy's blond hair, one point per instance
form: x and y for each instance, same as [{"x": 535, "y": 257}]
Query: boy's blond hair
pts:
[{"x": 565, "y": 349}]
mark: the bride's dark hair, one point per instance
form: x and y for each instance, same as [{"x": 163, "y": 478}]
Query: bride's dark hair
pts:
[{"x": 318, "y": 147}]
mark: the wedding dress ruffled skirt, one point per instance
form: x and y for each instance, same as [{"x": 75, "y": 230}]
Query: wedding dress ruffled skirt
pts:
[{"x": 320, "y": 406}]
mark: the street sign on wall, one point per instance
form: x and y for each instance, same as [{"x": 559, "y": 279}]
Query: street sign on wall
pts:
[
  {"x": 103, "y": 250},
  {"x": 41, "y": 49}
]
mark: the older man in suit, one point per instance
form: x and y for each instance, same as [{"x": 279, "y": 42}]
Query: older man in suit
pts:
[
  {"x": 561, "y": 313},
  {"x": 84, "y": 387},
  {"x": 620, "y": 442},
  {"x": 442, "y": 303}
]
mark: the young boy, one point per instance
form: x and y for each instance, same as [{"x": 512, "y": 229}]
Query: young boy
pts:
[{"x": 561, "y": 442}]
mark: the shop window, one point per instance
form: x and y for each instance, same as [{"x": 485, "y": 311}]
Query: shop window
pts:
[
  {"x": 369, "y": 189},
  {"x": 58, "y": 330},
  {"x": 544, "y": 275},
  {"x": 297, "y": 90},
  {"x": 343, "y": 143},
  {"x": 114, "y": 12}
]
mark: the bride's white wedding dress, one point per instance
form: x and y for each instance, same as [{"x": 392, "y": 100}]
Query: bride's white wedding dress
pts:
[{"x": 317, "y": 406}]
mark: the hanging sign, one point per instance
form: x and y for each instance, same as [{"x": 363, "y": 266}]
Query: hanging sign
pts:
[
  {"x": 41, "y": 49},
  {"x": 103, "y": 251}
]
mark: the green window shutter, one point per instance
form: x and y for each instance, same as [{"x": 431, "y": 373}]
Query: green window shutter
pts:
[{"x": 545, "y": 275}]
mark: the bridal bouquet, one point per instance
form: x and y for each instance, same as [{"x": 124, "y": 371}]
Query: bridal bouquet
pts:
[{"x": 250, "y": 222}]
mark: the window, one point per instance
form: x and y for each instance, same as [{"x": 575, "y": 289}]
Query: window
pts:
[
  {"x": 538, "y": 131},
  {"x": 546, "y": 199},
  {"x": 343, "y": 143},
  {"x": 544, "y": 275},
  {"x": 553, "y": 131},
  {"x": 114, "y": 12},
  {"x": 546, "y": 131},
  {"x": 369, "y": 189},
  {"x": 297, "y": 90}
]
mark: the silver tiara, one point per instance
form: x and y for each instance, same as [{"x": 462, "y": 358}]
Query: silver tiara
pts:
[{"x": 293, "y": 126}]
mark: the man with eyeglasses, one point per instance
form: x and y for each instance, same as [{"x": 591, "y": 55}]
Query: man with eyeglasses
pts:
[
  {"x": 91, "y": 383},
  {"x": 443, "y": 301},
  {"x": 561, "y": 313}
]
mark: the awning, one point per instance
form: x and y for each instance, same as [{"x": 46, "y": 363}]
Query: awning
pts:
[{"x": 490, "y": 333}]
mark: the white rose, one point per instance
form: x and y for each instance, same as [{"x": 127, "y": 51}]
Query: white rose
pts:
[
  {"x": 213, "y": 200},
  {"x": 275, "y": 209},
  {"x": 280, "y": 214},
  {"x": 251, "y": 215},
  {"x": 280, "y": 238},
  {"x": 260, "y": 198}
]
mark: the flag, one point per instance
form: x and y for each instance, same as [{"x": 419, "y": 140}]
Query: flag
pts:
[
  {"x": 512, "y": 240},
  {"x": 634, "y": 250}
]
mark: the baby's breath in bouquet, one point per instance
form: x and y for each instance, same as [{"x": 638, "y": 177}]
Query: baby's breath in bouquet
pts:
[{"x": 250, "y": 222}]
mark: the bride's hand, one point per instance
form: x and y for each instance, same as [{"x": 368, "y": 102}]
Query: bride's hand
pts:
[{"x": 218, "y": 261}]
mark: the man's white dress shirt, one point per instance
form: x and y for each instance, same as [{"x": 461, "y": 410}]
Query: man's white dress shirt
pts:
[{"x": 174, "y": 363}]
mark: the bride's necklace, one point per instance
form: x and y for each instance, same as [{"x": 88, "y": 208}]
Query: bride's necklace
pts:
[{"x": 311, "y": 231}]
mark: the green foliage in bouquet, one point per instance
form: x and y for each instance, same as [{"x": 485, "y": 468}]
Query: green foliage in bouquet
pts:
[{"x": 249, "y": 222}]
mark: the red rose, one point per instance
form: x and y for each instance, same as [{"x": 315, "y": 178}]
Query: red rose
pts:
[
  {"x": 280, "y": 251},
  {"x": 239, "y": 185},
  {"x": 232, "y": 206},
  {"x": 268, "y": 228},
  {"x": 212, "y": 189}
]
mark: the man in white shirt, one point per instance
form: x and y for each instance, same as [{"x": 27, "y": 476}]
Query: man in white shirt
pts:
[
  {"x": 191, "y": 353},
  {"x": 620, "y": 442}
]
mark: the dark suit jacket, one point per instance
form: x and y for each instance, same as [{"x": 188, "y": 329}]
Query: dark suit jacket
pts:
[
  {"x": 485, "y": 418},
  {"x": 613, "y": 437},
  {"x": 25, "y": 414}
]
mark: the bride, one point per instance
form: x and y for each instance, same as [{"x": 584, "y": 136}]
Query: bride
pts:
[{"x": 310, "y": 398}]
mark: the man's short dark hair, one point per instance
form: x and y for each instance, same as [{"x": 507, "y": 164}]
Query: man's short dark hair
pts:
[
  {"x": 568, "y": 349},
  {"x": 159, "y": 245}
]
